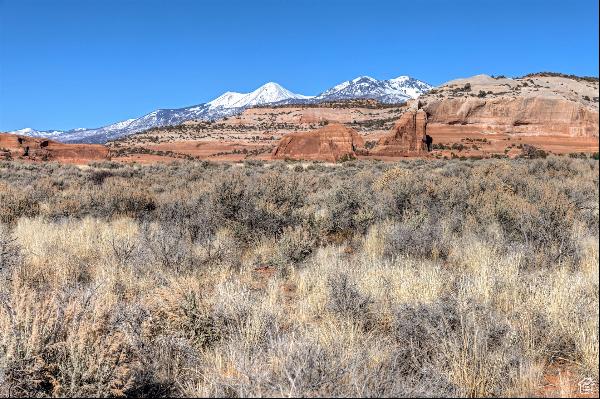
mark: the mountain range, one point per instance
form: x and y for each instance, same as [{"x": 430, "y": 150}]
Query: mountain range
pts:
[{"x": 396, "y": 90}]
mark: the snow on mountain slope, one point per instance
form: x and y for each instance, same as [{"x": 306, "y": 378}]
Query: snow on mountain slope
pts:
[
  {"x": 226, "y": 100},
  {"x": 50, "y": 134},
  {"x": 230, "y": 103},
  {"x": 360, "y": 84},
  {"x": 268, "y": 93},
  {"x": 399, "y": 90}
]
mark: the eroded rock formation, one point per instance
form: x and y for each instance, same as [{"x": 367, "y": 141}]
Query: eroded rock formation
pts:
[
  {"x": 329, "y": 143},
  {"x": 406, "y": 138}
]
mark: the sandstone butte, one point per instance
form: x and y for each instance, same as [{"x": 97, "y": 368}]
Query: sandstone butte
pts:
[
  {"x": 36, "y": 149},
  {"x": 329, "y": 143},
  {"x": 536, "y": 105}
]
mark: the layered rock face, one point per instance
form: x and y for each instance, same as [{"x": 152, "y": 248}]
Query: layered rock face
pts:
[
  {"x": 522, "y": 115},
  {"x": 534, "y": 106},
  {"x": 329, "y": 143},
  {"x": 406, "y": 138}
]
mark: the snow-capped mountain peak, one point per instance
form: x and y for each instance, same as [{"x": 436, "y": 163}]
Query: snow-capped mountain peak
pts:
[
  {"x": 364, "y": 78},
  {"x": 270, "y": 92}
]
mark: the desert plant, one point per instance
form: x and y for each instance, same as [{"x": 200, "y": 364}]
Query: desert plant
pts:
[{"x": 345, "y": 299}]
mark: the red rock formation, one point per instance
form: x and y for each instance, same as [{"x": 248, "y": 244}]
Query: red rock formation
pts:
[
  {"x": 406, "y": 138},
  {"x": 536, "y": 105},
  {"x": 329, "y": 143},
  {"x": 14, "y": 147}
]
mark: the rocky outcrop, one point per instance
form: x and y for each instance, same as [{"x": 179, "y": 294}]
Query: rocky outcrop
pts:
[
  {"x": 406, "y": 138},
  {"x": 34, "y": 149},
  {"x": 330, "y": 143},
  {"x": 532, "y": 106}
]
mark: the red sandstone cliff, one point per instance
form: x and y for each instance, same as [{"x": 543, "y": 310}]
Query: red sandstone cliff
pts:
[{"x": 532, "y": 106}]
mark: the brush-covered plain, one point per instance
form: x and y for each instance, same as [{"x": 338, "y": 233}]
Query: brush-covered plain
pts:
[{"x": 429, "y": 278}]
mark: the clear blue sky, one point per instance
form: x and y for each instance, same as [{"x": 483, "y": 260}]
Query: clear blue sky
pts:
[{"x": 67, "y": 64}]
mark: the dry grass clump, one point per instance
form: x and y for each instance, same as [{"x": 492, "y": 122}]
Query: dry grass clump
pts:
[{"x": 418, "y": 278}]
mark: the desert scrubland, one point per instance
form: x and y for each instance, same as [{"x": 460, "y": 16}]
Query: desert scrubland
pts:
[{"x": 364, "y": 278}]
